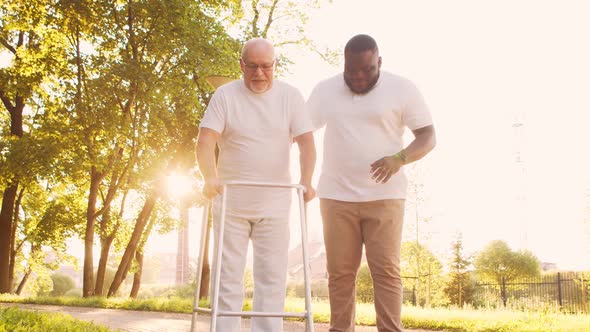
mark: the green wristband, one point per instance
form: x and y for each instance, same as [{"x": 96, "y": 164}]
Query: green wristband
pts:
[{"x": 401, "y": 155}]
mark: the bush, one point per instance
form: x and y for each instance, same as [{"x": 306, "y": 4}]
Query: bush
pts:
[
  {"x": 364, "y": 285},
  {"x": 185, "y": 292},
  {"x": 459, "y": 288},
  {"x": 319, "y": 289},
  {"x": 145, "y": 294},
  {"x": 295, "y": 289},
  {"x": 40, "y": 286},
  {"x": 62, "y": 283}
]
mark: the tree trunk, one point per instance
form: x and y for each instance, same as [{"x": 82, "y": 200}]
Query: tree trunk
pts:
[
  {"x": 140, "y": 224},
  {"x": 106, "y": 239},
  {"x": 35, "y": 247},
  {"x": 22, "y": 283},
  {"x": 9, "y": 196},
  {"x": 12, "y": 265},
  {"x": 139, "y": 257},
  {"x": 13, "y": 250},
  {"x": 88, "y": 279},
  {"x": 102, "y": 265},
  {"x": 206, "y": 272},
  {"x": 206, "y": 277},
  {"x": 105, "y": 247},
  {"x": 137, "y": 274},
  {"x": 6, "y": 219}
]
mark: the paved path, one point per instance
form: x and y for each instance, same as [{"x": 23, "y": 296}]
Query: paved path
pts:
[{"x": 148, "y": 321}]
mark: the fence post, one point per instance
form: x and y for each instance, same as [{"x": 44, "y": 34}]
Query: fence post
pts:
[
  {"x": 584, "y": 309},
  {"x": 503, "y": 291},
  {"x": 461, "y": 292},
  {"x": 414, "y": 295},
  {"x": 559, "y": 289}
]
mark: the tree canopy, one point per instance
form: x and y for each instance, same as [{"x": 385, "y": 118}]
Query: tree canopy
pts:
[{"x": 496, "y": 261}]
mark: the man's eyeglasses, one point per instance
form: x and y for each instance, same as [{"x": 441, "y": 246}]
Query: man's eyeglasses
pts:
[{"x": 254, "y": 66}]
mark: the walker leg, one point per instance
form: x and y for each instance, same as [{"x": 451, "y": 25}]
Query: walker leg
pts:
[
  {"x": 306, "y": 276},
  {"x": 217, "y": 262},
  {"x": 201, "y": 258}
]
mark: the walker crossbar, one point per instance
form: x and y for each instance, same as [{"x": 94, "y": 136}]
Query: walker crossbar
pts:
[
  {"x": 261, "y": 314},
  {"x": 214, "y": 311}
]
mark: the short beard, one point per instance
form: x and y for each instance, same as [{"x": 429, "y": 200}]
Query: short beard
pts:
[{"x": 368, "y": 89}]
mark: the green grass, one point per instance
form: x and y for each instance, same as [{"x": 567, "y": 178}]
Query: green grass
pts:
[
  {"x": 494, "y": 320},
  {"x": 468, "y": 320},
  {"x": 173, "y": 304},
  {"x": 16, "y": 320}
]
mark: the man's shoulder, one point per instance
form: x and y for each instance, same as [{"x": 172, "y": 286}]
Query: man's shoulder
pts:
[
  {"x": 286, "y": 90},
  {"x": 334, "y": 80},
  {"x": 392, "y": 78},
  {"x": 284, "y": 86},
  {"x": 232, "y": 86}
]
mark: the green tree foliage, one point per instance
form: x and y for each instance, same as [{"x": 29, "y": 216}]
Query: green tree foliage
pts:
[
  {"x": 62, "y": 283},
  {"x": 426, "y": 277},
  {"x": 31, "y": 36},
  {"x": 364, "y": 285},
  {"x": 282, "y": 21},
  {"x": 496, "y": 261},
  {"x": 103, "y": 99},
  {"x": 48, "y": 220},
  {"x": 459, "y": 287},
  {"x": 135, "y": 100}
]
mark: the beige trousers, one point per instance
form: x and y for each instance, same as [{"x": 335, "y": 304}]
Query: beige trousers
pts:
[
  {"x": 377, "y": 225},
  {"x": 270, "y": 241}
]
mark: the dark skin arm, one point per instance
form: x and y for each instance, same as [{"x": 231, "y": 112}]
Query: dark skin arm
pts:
[{"x": 424, "y": 141}]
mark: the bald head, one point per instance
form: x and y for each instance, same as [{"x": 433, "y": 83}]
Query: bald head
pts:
[
  {"x": 258, "y": 46},
  {"x": 258, "y": 64}
]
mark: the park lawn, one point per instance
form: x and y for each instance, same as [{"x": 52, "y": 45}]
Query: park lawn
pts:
[
  {"x": 468, "y": 320},
  {"x": 15, "y": 320}
]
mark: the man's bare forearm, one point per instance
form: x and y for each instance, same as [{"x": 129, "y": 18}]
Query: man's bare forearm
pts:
[
  {"x": 307, "y": 156},
  {"x": 206, "y": 158},
  {"x": 423, "y": 143},
  {"x": 206, "y": 154}
]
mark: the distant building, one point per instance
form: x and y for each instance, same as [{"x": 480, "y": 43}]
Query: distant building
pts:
[
  {"x": 167, "y": 271},
  {"x": 546, "y": 266}
]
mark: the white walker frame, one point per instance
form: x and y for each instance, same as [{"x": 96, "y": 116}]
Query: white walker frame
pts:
[{"x": 214, "y": 311}]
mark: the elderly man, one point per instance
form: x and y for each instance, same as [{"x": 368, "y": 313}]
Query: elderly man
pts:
[
  {"x": 254, "y": 121},
  {"x": 362, "y": 187}
]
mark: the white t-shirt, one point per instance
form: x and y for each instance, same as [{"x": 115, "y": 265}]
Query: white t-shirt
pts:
[
  {"x": 256, "y": 134},
  {"x": 361, "y": 129}
]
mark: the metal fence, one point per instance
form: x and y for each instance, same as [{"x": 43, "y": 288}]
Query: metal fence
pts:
[
  {"x": 409, "y": 296},
  {"x": 569, "y": 292}
]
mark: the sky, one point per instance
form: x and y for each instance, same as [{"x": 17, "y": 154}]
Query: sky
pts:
[
  {"x": 507, "y": 83},
  {"x": 482, "y": 66}
]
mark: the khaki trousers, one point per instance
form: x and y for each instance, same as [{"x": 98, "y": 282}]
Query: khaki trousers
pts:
[{"x": 377, "y": 225}]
